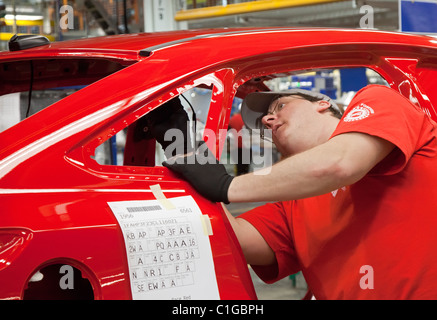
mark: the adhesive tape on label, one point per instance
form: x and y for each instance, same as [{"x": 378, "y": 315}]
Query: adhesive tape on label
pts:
[
  {"x": 159, "y": 195},
  {"x": 206, "y": 223}
]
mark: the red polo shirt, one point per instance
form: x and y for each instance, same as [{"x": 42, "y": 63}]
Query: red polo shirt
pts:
[{"x": 377, "y": 238}]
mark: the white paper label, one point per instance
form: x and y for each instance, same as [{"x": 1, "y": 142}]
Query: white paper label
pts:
[{"x": 169, "y": 253}]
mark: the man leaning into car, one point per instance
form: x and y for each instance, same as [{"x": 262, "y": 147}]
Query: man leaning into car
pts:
[{"x": 352, "y": 200}]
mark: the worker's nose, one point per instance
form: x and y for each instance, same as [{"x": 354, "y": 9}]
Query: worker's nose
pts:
[{"x": 268, "y": 120}]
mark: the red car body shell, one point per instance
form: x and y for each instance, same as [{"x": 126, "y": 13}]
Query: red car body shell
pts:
[{"x": 55, "y": 198}]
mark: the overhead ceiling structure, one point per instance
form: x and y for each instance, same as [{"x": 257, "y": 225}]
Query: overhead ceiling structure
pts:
[{"x": 321, "y": 13}]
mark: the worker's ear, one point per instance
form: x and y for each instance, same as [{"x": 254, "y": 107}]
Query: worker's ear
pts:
[{"x": 323, "y": 105}]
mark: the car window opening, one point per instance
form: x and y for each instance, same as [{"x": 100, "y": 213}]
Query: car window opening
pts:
[
  {"x": 29, "y": 86},
  {"x": 136, "y": 145}
]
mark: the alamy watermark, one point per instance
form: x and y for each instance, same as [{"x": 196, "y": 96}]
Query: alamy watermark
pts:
[
  {"x": 256, "y": 151},
  {"x": 367, "y": 280},
  {"x": 67, "y": 17},
  {"x": 67, "y": 280},
  {"x": 367, "y": 21}
]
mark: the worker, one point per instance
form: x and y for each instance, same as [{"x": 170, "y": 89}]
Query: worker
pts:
[{"x": 353, "y": 201}]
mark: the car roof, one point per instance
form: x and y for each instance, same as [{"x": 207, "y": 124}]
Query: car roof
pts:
[
  {"x": 123, "y": 46},
  {"x": 138, "y": 45}
]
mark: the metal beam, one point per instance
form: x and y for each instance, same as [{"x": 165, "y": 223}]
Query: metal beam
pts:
[{"x": 245, "y": 7}]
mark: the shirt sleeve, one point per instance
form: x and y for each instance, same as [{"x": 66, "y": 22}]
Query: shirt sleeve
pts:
[
  {"x": 383, "y": 112},
  {"x": 273, "y": 222}
]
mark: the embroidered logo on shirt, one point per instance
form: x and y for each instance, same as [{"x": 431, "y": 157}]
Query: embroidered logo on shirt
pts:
[{"x": 359, "y": 112}]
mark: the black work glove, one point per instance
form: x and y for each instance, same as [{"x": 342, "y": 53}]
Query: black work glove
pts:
[
  {"x": 202, "y": 170},
  {"x": 155, "y": 124}
]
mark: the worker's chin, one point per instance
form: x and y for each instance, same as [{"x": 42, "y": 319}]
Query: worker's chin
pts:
[{"x": 283, "y": 151}]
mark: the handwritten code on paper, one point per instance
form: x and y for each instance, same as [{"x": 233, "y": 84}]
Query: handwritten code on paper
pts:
[{"x": 169, "y": 254}]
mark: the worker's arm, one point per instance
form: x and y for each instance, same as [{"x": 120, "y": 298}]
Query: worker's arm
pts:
[
  {"x": 254, "y": 247},
  {"x": 341, "y": 161}
]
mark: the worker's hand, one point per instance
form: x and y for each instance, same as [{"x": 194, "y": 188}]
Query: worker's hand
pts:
[
  {"x": 175, "y": 118},
  {"x": 204, "y": 172},
  {"x": 170, "y": 119}
]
